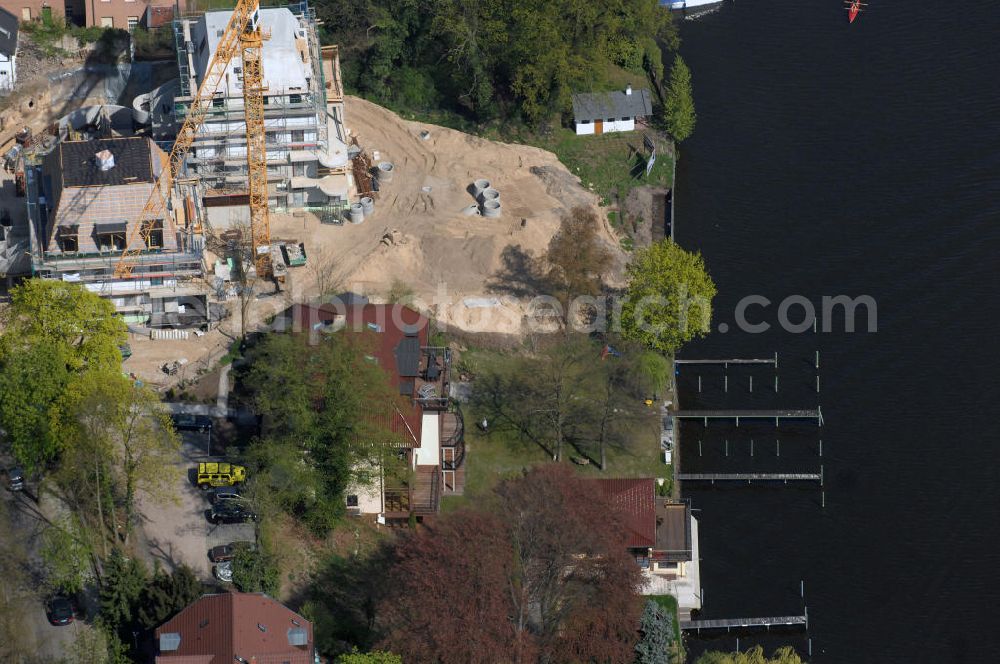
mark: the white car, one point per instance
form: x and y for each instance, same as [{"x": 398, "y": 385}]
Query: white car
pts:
[{"x": 224, "y": 572}]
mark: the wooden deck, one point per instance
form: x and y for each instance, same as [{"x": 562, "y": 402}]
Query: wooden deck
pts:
[{"x": 745, "y": 623}]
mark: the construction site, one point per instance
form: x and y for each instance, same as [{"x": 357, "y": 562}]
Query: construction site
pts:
[{"x": 207, "y": 203}]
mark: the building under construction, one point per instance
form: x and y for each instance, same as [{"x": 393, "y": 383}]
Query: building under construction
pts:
[
  {"x": 307, "y": 152},
  {"x": 83, "y": 199}
]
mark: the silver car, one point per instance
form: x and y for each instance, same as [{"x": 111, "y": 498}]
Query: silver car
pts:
[{"x": 224, "y": 572}]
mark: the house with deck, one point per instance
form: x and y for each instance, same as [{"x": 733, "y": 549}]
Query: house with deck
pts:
[
  {"x": 662, "y": 535},
  {"x": 427, "y": 426},
  {"x": 607, "y": 112}
]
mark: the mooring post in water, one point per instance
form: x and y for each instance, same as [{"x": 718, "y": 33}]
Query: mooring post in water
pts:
[
  {"x": 821, "y": 475},
  {"x": 815, "y": 329},
  {"x": 727, "y": 447},
  {"x": 777, "y": 447},
  {"x": 751, "y": 447},
  {"x": 802, "y": 588},
  {"x": 727, "y": 383},
  {"x": 775, "y": 360},
  {"x": 822, "y": 497},
  {"x": 817, "y": 359},
  {"x": 699, "y": 447},
  {"x": 821, "y": 447},
  {"x": 699, "y": 382},
  {"x": 775, "y": 382},
  {"x": 751, "y": 384},
  {"x": 817, "y": 383}
]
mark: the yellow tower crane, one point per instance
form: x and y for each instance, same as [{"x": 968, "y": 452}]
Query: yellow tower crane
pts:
[{"x": 243, "y": 35}]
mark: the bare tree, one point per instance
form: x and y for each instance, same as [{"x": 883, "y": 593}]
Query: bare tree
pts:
[{"x": 577, "y": 258}]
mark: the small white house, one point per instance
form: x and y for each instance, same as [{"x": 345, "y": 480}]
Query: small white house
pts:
[
  {"x": 8, "y": 50},
  {"x": 605, "y": 112}
]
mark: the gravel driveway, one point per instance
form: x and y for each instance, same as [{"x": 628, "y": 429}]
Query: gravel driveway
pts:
[{"x": 180, "y": 533}]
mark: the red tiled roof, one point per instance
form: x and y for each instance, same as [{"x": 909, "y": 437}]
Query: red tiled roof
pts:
[
  {"x": 386, "y": 326},
  {"x": 635, "y": 499},
  {"x": 216, "y": 629}
]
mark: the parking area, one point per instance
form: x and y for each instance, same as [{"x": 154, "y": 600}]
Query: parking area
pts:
[{"x": 179, "y": 532}]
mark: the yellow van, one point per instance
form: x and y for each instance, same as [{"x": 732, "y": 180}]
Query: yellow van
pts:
[{"x": 220, "y": 474}]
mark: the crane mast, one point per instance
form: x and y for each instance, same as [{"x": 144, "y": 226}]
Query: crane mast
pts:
[{"x": 244, "y": 36}]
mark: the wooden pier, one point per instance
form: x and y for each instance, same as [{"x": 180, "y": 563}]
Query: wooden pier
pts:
[
  {"x": 745, "y": 623},
  {"x": 776, "y": 415},
  {"x": 727, "y": 362},
  {"x": 752, "y": 477}
]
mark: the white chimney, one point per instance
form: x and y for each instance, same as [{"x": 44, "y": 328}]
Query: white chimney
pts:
[
  {"x": 105, "y": 160},
  {"x": 628, "y": 89}
]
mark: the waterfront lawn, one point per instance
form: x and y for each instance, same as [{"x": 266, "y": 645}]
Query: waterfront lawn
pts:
[
  {"x": 498, "y": 455},
  {"x": 610, "y": 165}
]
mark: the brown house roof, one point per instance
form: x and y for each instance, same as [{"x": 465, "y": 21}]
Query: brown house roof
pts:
[
  {"x": 216, "y": 629},
  {"x": 635, "y": 500},
  {"x": 397, "y": 334}
]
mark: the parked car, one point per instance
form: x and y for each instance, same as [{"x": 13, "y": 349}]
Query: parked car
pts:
[
  {"x": 59, "y": 610},
  {"x": 223, "y": 493},
  {"x": 15, "y": 479},
  {"x": 230, "y": 512},
  {"x": 226, "y": 552},
  {"x": 187, "y": 422},
  {"x": 219, "y": 474},
  {"x": 224, "y": 572}
]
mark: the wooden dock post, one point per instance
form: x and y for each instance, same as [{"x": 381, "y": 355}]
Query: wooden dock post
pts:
[
  {"x": 817, "y": 383},
  {"x": 751, "y": 447},
  {"x": 751, "y": 384},
  {"x": 699, "y": 382},
  {"x": 817, "y": 360},
  {"x": 821, "y": 447},
  {"x": 776, "y": 383},
  {"x": 727, "y": 383},
  {"x": 821, "y": 475},
  {"x": 777, "y": 447},
  {"x": 699, "y": 447},
  {"x": 727, "y": 447}
]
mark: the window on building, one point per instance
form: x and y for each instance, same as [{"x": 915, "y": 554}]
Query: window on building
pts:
[
  {"x": 298, "y": 136},
  {"x": 298, "y": 169},
  {"x": 155, "y": 240},
  {"x": 219, "y": 101},
  {"x": 156, "y": 281},
  {"x": 109, "y": 239},
  {"x": 133, "y": 21},
  {"x": 625, "y": 119},
  {"x": 610, "y": 120},
  {"x": 107, "y": 22},
  {"x": 352, "y": 501},
  {"x": 68, "y": 239},
  {"x": 295, "y": 99}
]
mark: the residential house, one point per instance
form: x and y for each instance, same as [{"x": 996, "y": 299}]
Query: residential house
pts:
[
  {"x": 429, "y": 429},
  {"x": 662, "y": 535},
  {"x": 84, "y": 200},
  {"x": 307, "y": 154},
  {"x": 124, "y": 14},
  {"x": 8, "y": 50},
  {"x": 606, "y": 112},
  {"x": 235, "y": 627}
]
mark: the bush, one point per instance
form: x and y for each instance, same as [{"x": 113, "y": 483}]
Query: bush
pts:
[{"x": 256, "y": 571}]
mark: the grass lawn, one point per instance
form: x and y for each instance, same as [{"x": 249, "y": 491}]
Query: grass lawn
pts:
[
  {"x": 610, "y": 164},
  {"x": 500, "y": 454}
]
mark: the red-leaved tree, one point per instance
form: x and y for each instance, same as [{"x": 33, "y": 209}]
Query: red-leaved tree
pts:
[{"x": 543, "y": 577}]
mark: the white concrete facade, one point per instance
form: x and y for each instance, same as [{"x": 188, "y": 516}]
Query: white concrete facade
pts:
[
  {"x": 608, "y": 126},
  {"x": 8, "y": 71}
]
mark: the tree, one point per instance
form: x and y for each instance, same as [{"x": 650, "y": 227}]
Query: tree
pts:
[
  {"x": 678, "y": 107},
  {"x": 316, "y": 401},
  {"x": 550, "y": 581},
  {"x": 110, "y": 415},
  {"x": 167, "y": 594},
  {"x": 66, "y": 557},
  {"x": 755, "y": 655},
  {"x": 653, "y": 373},
  {"x": 578, "y": 259},
  {"x": 120, "y": 594},
  {"x": 66, "y": 316},
  {"x": 256, "y": 571},
  {"x": 31, "y": 380},
  {"x": 668, "y": 299},
  {"x": 657, "y": 628}
]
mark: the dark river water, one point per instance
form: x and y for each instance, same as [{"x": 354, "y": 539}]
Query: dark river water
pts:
[{"x": 834, "y": 159}]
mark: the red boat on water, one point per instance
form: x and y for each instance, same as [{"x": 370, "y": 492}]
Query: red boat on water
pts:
[{"x": 853, "y": 9}]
